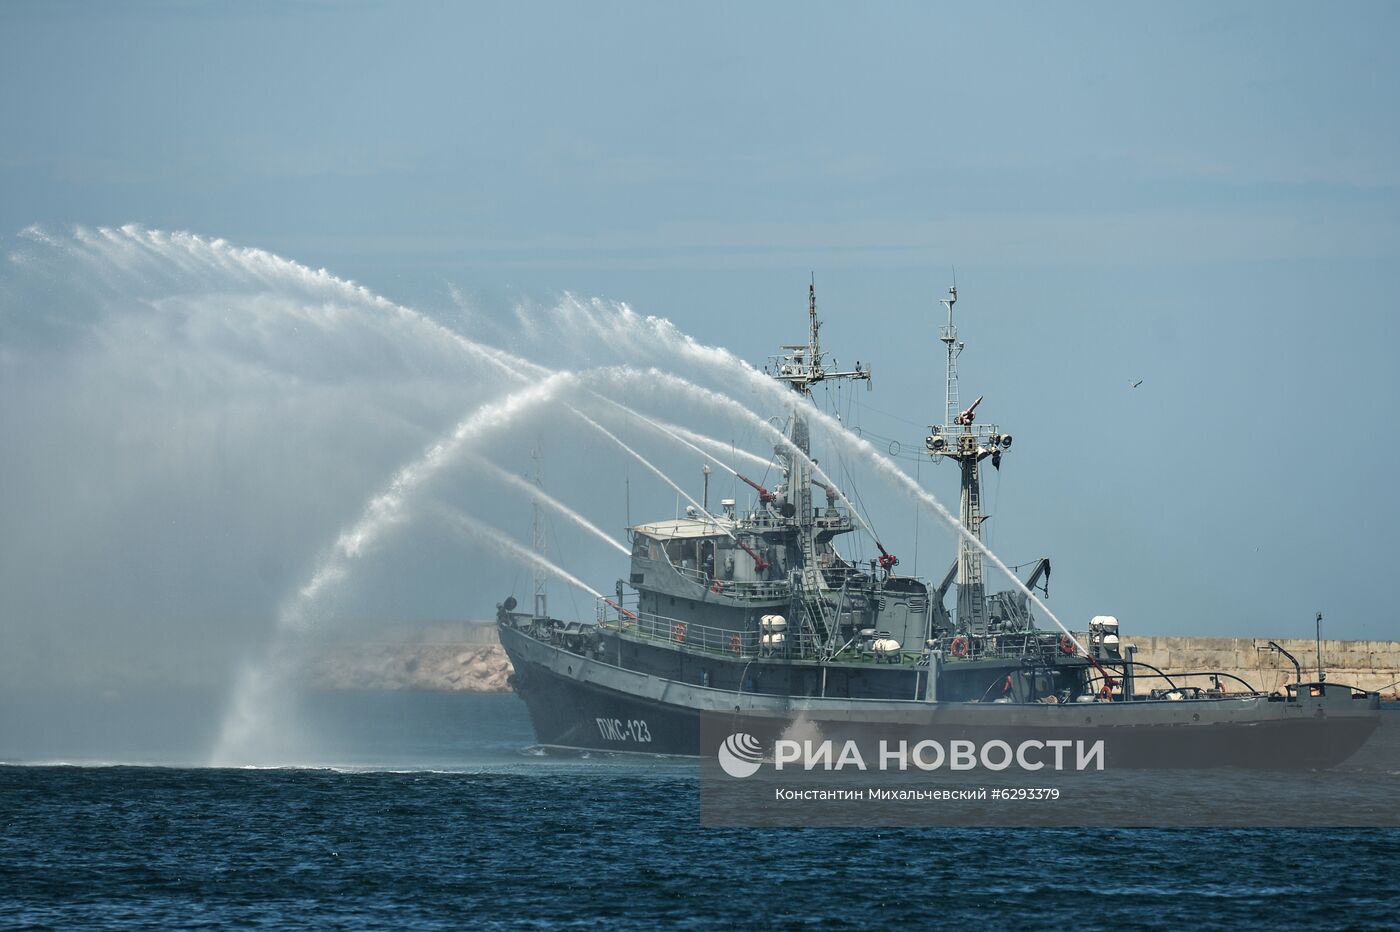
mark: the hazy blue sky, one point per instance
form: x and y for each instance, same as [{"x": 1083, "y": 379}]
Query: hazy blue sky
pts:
[{"x": 1204, "y": 196}]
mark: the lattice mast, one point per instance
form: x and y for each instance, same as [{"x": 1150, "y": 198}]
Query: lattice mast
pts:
[
  {"x": 801, "y": 366},
  {"x": 959, "y": 439}
]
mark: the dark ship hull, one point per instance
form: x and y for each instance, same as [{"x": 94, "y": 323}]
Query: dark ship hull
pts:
[{"x": 582, "y": 702}]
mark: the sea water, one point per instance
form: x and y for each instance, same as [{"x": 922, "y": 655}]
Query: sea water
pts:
[{"x": 430, "y": 811}]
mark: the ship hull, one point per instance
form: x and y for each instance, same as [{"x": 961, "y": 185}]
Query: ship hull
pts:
[
  {"x": 582, "y": 703},
  {"x": 580, "y": 716}
]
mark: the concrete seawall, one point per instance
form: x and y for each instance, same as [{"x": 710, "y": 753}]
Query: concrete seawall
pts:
[
  {"x": 1370, "y": 665},
  {"x": 468, "y": 657}
]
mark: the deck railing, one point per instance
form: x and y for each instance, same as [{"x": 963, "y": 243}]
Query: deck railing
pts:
[{"x": 693, "y": 636}]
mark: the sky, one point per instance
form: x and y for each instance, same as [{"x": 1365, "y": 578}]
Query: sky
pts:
[{"x": 1201, "y": 196}]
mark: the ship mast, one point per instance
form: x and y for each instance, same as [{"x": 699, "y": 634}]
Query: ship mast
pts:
[
  {"x": 959, "y": 439},
  {"x": 803, "y": 366}
]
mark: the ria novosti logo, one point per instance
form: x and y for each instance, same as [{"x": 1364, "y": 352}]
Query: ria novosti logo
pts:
[{"x": 740, "y": 755}]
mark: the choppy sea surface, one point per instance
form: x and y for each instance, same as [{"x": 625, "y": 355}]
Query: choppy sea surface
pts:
[{"x": 430, "y": 813}]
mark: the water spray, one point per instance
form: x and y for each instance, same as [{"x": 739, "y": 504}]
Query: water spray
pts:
[
  {"x": 545, "y": 499},
  {"x": 759, "y": 562},
  {"x": 387, "y": 508},
  {"x": 716, "y": 444},
  {"x": 499, "y": 538},
  {"x": 670, "y": 433},
  {"x": 725, "y": 403}
]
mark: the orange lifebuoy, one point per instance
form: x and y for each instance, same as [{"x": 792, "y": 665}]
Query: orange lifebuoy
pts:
[
  {"x": 959, "y": 646},
  {"x": 716, "y": 586},
  {"x": 736, "y": 644},
  {"x": 1106, "y": 692},
  {"x": 679, "y": 632},
  {"x": 1067, "y": 645}
]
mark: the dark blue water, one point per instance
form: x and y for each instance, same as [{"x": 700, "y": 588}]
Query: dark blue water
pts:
[{"x": 507, "y": 839}]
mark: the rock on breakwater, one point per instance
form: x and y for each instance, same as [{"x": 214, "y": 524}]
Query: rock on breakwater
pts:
[{"x": 461, "y": 657}]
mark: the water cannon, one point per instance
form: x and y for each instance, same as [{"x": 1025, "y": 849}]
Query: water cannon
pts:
[
  {"x": 831, "y": 494},
  {"x": 620, "y": 610},
  {"x": 764, "y": 496},
  {"x": 888, "y": 561},
  {"x": 759, "y": 563},
  {"x": 968, "y": 416}
]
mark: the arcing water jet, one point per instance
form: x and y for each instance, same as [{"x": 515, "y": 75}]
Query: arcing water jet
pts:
[
  {"x": 497, "y": 537},
  {"x": 539, "y": 494}
]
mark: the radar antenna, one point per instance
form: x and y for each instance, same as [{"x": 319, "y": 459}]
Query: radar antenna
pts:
[{"x": 804, "y": 364}]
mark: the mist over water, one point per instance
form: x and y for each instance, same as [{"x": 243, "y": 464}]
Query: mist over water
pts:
[{"x": 220, "y": 464}]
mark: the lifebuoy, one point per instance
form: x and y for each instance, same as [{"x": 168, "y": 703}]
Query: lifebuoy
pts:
[
  {"x": 1067, "y": 645},
  {"x": 736, "y": 644},
  {"x": 959, "y": 646},
  {"x": 1106, "y": 692},
  {"x": 716, "y": 586},
  {"x": 679, "y": 632}
]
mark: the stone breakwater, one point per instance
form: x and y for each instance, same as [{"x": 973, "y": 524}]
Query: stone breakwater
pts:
[
  {"x": 468, "y": 658},
  {"x": 1370, "y": 665}
]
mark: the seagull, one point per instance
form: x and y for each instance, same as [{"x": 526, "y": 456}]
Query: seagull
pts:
[{"x": 1136, "y": 384}]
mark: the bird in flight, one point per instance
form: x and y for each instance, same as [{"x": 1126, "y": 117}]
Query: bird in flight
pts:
[{"x": 1136, "y": 384}]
